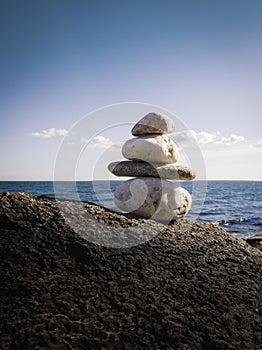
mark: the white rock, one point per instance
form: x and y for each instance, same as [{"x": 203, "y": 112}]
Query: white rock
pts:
[
  {"x": 153, "y": 198},
  {"x": 153, "y": 123},
  {"x": 152, "y": 149}
]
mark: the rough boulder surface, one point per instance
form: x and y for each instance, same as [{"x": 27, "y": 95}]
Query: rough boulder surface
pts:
[{"x": 196, "y": 289}]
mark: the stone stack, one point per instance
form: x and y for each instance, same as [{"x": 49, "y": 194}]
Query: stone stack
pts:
[{"x": 151, "y": 158}]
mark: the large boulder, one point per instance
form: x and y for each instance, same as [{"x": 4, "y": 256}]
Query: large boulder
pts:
[{"x": 192, "y": 286}]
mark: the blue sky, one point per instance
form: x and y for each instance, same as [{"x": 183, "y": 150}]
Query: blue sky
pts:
[{"x": 201, "y": 60}]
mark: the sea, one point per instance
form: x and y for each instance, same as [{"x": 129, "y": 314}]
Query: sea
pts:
[{"x": 234, "y": 205}]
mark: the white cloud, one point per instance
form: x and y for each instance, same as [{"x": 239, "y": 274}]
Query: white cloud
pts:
[
  {"x": 186, "y": 137},
  {"x": 52, "y": 132},
  {"x": 99, "y": 142},
  {"x": 232, "y": 139},
  {"x": 257, "y": 145},
  {"x": 203, "y": 137}
]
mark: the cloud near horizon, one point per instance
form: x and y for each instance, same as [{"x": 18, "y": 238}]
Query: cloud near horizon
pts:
[
  {"x": 185, "y": 137},
  {"x": 257, "y": 145},
  {"x": 204, "y": 137},
  {"x": 100, "y": 142},
  {"x": 232, "y": 139},
  {"x": 47, "y": 134}
]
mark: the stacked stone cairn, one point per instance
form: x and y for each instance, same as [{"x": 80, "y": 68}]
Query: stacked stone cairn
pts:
[{"x": 151, "y": 160}]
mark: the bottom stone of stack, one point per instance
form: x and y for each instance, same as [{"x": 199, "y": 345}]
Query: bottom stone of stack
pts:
[{"x": 153, "y": 198}]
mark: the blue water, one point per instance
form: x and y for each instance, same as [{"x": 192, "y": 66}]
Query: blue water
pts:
[{"x": 234, "y": 205}]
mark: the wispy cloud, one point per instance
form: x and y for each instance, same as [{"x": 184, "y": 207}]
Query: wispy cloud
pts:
[
  {"x": 232, "y": 139},
  {"x": 257, "y": 145},
  {"x": 100, "y": 142},
  {"x": 47, "y": 134},
  {"x": 204, "y": 137},
  {"x": 186, "y": 137}
]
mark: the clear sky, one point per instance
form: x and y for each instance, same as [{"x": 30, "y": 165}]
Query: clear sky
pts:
[{"x": 199, "y": 59}]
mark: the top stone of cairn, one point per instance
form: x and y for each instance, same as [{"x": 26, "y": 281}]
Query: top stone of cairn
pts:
[{"x": 153, "y": 123}]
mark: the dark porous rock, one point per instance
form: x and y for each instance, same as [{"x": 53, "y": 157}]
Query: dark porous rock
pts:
[
  {"x": 192, "y": 286},
  {"x": 255, "y": 241},
  {"x": 142, "y": 169}
]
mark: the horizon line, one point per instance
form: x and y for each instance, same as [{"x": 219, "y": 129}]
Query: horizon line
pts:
[{"x": 123, "y": 179}]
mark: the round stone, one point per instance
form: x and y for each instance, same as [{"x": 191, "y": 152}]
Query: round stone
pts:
[
  {"x": 152, "y": 149},
  {"x": 153, "y": 123},
  {"x": 144, "y": 169},
  {"x": 153, "y": 198}
]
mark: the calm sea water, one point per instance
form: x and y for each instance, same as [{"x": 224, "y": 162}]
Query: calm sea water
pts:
[{"x": 234, "y": 205}]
